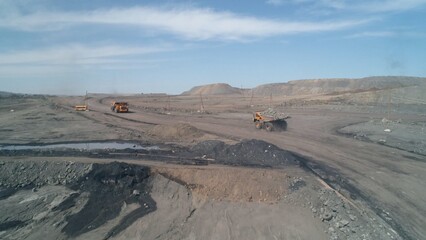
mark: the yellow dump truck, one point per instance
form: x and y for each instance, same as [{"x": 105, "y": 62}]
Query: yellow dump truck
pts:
[
  {"x": 120, "y": 107},
  {"x": 270, "y": 120},
  {"x": 81, "y": 108}
]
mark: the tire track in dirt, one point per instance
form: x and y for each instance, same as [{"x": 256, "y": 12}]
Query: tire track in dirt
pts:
[{"x": 105, "y": 121}]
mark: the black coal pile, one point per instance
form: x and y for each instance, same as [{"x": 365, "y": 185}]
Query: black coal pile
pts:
[
  {"x": 110, "y": 186},
  {"x": 246, "y": 153}
]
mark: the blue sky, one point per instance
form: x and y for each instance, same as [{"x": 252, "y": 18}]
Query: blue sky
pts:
[{"x": 129, "y": 46}]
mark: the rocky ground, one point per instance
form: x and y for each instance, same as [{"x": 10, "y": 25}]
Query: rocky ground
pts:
[
  {"x": 68, "y": 199},
  {"x": 65, "y": 199},
  {"x": 213, "y": 176},
  {"x": 409, "y": 136}
]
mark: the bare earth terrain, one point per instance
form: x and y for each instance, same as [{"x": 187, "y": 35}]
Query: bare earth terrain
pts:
[{"x": 205, "y": 172}]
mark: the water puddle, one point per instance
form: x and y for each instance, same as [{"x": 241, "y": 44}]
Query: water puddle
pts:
[{"x": 82, "y": 146}]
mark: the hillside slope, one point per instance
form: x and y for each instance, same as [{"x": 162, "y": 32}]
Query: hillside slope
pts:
[
  {"x": 326, "y": 86},
  {"x": 213, "y": 89}
]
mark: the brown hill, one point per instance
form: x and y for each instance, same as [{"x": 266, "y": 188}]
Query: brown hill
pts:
[
  {"x": 326, "y": 86},
  {"x": 213, "y": 89}
]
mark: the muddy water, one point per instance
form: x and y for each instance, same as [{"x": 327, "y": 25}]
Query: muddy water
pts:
[{"x": 82, "y": 146}]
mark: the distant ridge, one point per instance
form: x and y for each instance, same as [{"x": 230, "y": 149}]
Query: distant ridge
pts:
[
  {"x": 7, "y": 94},
  {"x": 368, "y": 90},
  {"x": 213, "y": 89},
  {"x": 325, "y": 86}
]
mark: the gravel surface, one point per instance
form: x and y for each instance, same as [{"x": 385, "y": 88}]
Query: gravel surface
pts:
[{"x": 409, "y": 136}]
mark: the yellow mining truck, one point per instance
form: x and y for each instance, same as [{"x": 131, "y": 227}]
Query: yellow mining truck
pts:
[
  {"x": 81, "y": 107},
  {"x": 270, "y": 120},
  {"x": 120, "y": 107}
]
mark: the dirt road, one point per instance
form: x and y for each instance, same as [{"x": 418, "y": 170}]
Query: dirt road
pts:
[{"x": 391, "y": 181}]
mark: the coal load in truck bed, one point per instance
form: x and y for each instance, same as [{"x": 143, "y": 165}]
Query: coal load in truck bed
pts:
[{"x": 270, "y": 112}]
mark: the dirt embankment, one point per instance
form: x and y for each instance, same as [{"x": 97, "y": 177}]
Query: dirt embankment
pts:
[
  {"x": 236, "y": 185},
  {"x": 180, "y": 133}
]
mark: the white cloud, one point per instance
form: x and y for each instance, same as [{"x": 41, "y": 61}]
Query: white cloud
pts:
[
  {"x": 193, "y": 23},
  {"x": 373, "y": 34},
  {"x": 385, "y": 34},
  {"x": 389, "y": 5},
  {"x": 275, "y": 2},
  {"x": 336, "y": 4},
  {"x": 74, "y": 55},
  {"x": 372, "y": 6}
]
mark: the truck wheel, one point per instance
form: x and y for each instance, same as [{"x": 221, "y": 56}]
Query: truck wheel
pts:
[
  {"x": 258, "y": 125},
  {"x": 269, "y": 127},
  {"x": 116, "y": 110}
]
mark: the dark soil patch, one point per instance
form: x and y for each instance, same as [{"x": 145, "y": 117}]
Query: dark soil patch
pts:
[
  {"x": 68, "y": 203},
  {"x": 110, "y": 186},
  {"x": 7, "y": 192},
  {"x": 415, "y": 158},
  {"x": 176, "y": 156},
  {"x": 6, "y": 130},
  {"x": 11, "y": 224},
  {"x": 296, "y": 185},
  {"x": 246, "y": 153}
]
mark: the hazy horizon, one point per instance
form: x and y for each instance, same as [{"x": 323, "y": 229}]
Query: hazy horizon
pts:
[{"x": 83, "y": 91}]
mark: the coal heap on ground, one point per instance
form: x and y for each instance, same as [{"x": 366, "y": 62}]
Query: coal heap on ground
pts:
[
  {"x": 246, "y": 153},
  {"x": 110, "y": 186}
]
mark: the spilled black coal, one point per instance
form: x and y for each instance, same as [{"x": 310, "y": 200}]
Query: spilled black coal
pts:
[{"x": 110, "y": 186}]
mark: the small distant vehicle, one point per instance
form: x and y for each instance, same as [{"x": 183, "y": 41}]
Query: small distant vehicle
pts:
[
  {"x": 270, "y": 120},
  {"x": 120, "y": 107},
  {"x": 81, "y": 108}
]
